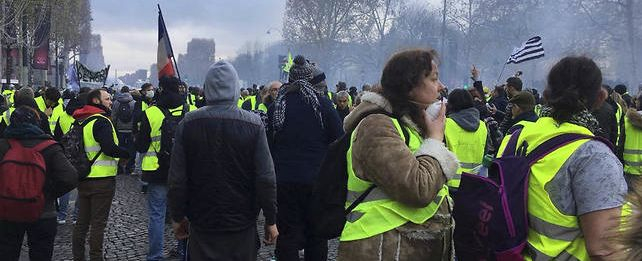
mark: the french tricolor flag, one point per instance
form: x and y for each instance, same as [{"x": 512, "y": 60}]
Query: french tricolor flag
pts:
[{"x": 165, "y": 53}]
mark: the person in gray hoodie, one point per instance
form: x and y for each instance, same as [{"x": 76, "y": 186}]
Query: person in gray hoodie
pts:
[
  {"x": 221, "y": 175},
  {"x": 122, "y": 116},
  {"x": 465, "y": 135}
]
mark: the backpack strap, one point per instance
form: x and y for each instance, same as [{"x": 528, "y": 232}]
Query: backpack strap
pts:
[
  {"x": 560, "y": 141},
  {"x": 360, "y": 199},
  {"x": 511, "y": 146}
]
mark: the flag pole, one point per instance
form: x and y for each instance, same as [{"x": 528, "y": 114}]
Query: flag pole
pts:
[
  {"x": 500, "y": 74},
  {"x": 169, "y": 41}
]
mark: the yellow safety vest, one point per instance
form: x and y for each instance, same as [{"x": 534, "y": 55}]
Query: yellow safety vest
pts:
[
  {"x": 144, "y": 106},
  {"x": 537, "y": 109},
  {"x": 252, "y": 100},
  {"x": 104, "y": 166},
  {"x": 191, "y": 99},
  {"x": 377, "y": 213},
  {"x": 9, "y": 94},
  {"x": 552, "y": 235},
  {"x": 240, "y": 102},
  {"x": 56, "y": 113},
  {"x": 155, "y": 117},
  {"x": 468, "y": 146},
  {"x": 65, "y": 122},
  {"x": 263, "y": 108},
  {"x": 6, "y": 116},
  {"x": 632, "y": 148}
]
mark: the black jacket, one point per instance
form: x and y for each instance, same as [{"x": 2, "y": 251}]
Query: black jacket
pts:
[{"x": 605, "y": 115}]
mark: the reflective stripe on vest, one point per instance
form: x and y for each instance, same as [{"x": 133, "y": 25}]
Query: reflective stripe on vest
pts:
[
  {"x": 104, "y": 166},
  {"x": 468, "y": 146},
  {"x": 155, "y": 118},
  {"x": 618, "y": 119},
  {"x": 552, "y": 235},
  {"x": 632, "y": 153},
  {"x": 378, "y": 213}
]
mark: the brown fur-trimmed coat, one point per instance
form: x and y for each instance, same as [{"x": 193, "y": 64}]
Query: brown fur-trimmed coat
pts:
[{"x": 380, "y": 155}]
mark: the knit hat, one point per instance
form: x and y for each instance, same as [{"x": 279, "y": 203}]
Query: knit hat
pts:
[
  {"x": 525, "y": 100},
  {"x": 300, "y": 70},
  {"x": 25, "y": 115}
]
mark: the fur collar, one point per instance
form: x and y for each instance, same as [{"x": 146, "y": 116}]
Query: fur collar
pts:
[{"x": 371, "y": 101}]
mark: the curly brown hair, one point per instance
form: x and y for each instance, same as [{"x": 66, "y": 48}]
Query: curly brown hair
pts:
[{"x": 402, "y": 73}]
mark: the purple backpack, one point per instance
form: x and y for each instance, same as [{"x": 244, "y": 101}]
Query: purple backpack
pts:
[{"x": 491, "y": 213}]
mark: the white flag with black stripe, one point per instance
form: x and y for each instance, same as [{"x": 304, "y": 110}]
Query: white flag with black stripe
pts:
[{"x": 531, "y": 49}]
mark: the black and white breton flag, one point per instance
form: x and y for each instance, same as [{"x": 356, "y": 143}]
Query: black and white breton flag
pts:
[{"x": 531, "y": 49}]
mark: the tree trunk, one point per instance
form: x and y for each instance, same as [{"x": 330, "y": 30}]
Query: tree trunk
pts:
[{"x": 630, "y": 31}]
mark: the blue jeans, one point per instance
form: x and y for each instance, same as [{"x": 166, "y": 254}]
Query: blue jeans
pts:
[
  {"x": 63, "y": 203},
  {"x": 157, "y": 204}
]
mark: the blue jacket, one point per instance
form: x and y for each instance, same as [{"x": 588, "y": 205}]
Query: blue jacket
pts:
[{"x": 300, "y": 146}]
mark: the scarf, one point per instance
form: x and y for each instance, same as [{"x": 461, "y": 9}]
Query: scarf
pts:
[
  {"x": 583, "y": 118},
  {"x": 309, "y": 96},
  {"x": 23, "y": 131}
]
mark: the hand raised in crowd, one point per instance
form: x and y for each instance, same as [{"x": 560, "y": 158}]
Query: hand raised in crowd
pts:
[
  {"x": 437, "y": 124},
  {"x": 181, "y": 229},
  {"x": 474, "y": 73},
  {"x": 271, "y": 233}
]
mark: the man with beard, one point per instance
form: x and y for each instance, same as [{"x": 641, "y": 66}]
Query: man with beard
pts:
[{"x": 96, "y": 192}]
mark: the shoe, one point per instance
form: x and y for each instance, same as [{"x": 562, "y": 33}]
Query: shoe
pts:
[
  {"x": 143, "y": 189},
  {"x": 62, "y": 221}
]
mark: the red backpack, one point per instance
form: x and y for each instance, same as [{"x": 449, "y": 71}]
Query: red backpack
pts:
[{"x": 22, "y": 178}]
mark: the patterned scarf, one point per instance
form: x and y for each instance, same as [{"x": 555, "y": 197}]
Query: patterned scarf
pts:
[
  {"x": 583, "y": 118},
  {"x": 309, "y": 96}
]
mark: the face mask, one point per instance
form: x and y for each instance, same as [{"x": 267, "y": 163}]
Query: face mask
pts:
[{"x": 149, "y": 94}]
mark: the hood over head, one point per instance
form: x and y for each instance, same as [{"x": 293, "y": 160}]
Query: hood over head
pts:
[
  {"x": 125, "y": 98},
  {"x": 468, "y": 119},
  {"x": 221, "y": 84}
]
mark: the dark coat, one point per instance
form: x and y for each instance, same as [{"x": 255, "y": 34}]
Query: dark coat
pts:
[{"x": 300, "y": 146}]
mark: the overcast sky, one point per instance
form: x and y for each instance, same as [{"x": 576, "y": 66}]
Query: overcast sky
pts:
[{"x": 129, "y": 29}]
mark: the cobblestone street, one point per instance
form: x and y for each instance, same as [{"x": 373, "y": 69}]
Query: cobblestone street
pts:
[{"x": 126, "y": 232}]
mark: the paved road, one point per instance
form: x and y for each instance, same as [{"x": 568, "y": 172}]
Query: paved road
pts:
[{"x": 126, "y": 232}]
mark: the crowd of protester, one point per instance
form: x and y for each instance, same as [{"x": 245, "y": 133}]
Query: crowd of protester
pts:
[{"x": 211, "y": 159}]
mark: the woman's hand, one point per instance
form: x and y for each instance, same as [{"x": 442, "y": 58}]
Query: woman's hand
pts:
[{"x": 437, "y": 125}]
